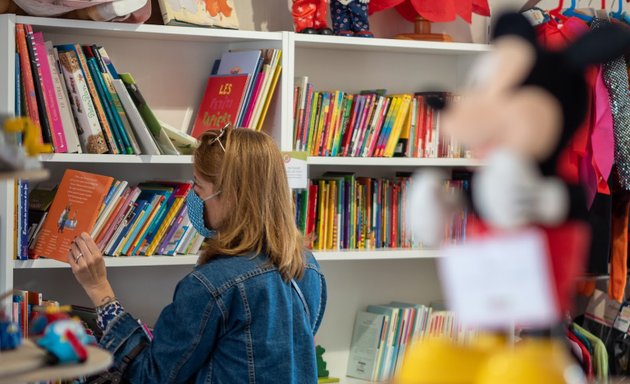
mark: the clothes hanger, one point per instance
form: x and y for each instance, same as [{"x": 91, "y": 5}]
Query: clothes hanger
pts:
[
  {"x": 620, "y": 14},
  {"x": 556, "y": 14},
  {"x": 571, "y": 12}
]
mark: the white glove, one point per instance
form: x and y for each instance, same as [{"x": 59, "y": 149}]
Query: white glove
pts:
[
  {"x": 509, "y": 192},
  {"x": 426, "y": 215}
]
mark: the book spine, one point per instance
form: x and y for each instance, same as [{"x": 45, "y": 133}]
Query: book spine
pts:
[
  {"x": 115, "y": 98},
  {"x": 65, "y": 112},
  {"x": 111, "y": 140},
  {"x": 162, "y": 230},
  {"x": 24, "y": 220},
  {"x": 18, "y": 86},
  {"x": 48, "y": 91},
  {"x": 179, "y": 217},
  {"x": 27, "y": 78},
  {"x": 90, "y": 134},
  {"x": 107, "y": 104}
]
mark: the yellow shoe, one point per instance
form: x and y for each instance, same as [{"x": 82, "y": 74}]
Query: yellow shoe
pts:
[
  {"x": 532, "y": 361},
  {"x": 441, "y": 361}
]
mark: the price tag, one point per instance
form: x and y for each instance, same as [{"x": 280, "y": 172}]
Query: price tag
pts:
[
  {"x": 500, "y": 281},
  {"x": 297, "y": 171}
]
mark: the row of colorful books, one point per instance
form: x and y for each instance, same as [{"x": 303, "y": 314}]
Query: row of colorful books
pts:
[
  {"x": 343, "y": 211},
  {"x": 382, "y": 333},
  {"x": 83, "y": 105},
  {"x": 239, "y": 90},
  {"x": 369, "y": 124},
  {"x": 150, "y": 218}
]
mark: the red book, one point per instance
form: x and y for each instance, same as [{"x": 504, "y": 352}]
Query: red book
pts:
[
  {"x": 27, "y": 77},
  {"x": 221, "y": 102}
]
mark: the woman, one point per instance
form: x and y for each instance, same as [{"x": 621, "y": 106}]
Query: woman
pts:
[{"x": 249, "y": 310}]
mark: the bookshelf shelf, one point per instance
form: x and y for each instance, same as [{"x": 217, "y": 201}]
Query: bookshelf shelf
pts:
[
  {"x": 375, "y": 254},
  {"x": 387, "y": 45},
  {"x": 392, "y": 162},
  {"x": 157, "y": 261},
  {"x": 124, "y": 261},
  {"x": 115, "y": 159},
  {"x": 156, "y": 32}
]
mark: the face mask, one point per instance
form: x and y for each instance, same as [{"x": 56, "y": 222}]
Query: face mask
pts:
[{"x": 194, "y": 205}]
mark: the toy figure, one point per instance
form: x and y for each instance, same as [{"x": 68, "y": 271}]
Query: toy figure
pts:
[
  {"x": 15, "y": 156},
  {"x": 310, "y": 16},
  {"x": 523, "y": 106},
  {"x": 64, "y": 339},
  {"x": 350, "y": 18},
  {"x": 10, "y": 334}
]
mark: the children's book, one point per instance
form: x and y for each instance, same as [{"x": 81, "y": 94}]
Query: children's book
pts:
[
  {"x": 368, "y": 339},
  {"x": 149, "y": 118},
  {"x": 73, "y": 211},
  {"x": 221, "y": 102},
  {"x": 207, "y": 13}
]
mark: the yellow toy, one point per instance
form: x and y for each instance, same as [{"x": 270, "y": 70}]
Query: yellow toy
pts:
[{"x": 18, "y": 155}]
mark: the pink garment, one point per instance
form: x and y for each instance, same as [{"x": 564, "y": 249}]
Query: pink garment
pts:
[
  {"x": 602, "y": 136},
  {"x": 575, "y": 347}
]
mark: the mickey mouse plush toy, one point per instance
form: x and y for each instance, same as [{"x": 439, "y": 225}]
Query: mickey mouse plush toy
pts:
[{"x": 521, "y": 108}]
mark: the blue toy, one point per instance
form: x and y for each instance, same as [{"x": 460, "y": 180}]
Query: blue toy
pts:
[
  {"x": 10, "y": 333},
  {"x": 64, "y": 339}
]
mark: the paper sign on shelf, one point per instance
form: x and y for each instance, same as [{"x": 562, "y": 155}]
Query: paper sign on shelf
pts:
[
  {"x": 500, "y": 281},
  {"x": 297, "y": 171}
]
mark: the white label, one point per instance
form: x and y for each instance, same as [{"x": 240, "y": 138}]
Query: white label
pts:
[
  {"x": 500, "y": 281},
  {"x": 297, "y": 170}
]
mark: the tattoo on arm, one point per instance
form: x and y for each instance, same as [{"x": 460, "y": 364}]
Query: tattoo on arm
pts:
[{"x": 107, "y": 300}]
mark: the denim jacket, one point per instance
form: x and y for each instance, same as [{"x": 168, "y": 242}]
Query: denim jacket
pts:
[{"x": 232, "y": 320}]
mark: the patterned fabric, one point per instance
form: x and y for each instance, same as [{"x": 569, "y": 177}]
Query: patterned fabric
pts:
[
  {"x": 309, "y": 14},
  {"x": 107, "y": 313},
  {"x": 616, "y": 79},
  {"x": 349, "y": 17}
]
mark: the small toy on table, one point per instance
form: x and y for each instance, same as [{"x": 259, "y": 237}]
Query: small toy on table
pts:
[
  {"x": 64, "y": 338},
  {"x": 10, "y": 334},
  {"x": 350, "y": 18}
]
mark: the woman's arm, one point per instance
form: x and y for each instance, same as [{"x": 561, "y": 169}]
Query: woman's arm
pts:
[{"x": 184, "y": 335}]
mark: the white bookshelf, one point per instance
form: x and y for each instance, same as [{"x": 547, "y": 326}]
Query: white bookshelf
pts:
[
  {"x": 114, "y": 159},
  {"x": 392, "y": 162},
  {"x": 173, "y": 85},
  {"x": 161, "y": 261}
]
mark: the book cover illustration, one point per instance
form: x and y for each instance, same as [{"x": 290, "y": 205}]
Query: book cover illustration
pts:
[
  {"x": 73, "y": 211},
  {"x": 207, "y": 13},
  {"x": 221, "y": 102}
]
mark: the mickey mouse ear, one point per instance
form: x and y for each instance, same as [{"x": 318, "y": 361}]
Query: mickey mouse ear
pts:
[
  {"x": 599, "y": 46},
  {"x": 514, "y": 24}
]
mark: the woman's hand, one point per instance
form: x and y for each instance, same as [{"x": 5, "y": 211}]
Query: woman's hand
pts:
[{"x": 89, "y": 269}]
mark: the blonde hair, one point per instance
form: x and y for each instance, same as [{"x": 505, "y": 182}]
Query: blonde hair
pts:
[{"x": 252, "y": 179}]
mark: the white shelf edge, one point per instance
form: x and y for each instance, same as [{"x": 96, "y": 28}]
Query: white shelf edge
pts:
[
  {"x": 120, "y": 159},
  {"x": 393, "y": 161},
  {"x": 149, "y": 29},
  {"x": 376, "y": 254},
  {"x": 342, "y": 42},
  {"x": 155, "y": 261},
  {"x": 123, "y": 261}
]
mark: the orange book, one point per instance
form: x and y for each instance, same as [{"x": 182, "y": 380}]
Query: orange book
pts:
[
  {"x": 221, "y": 102},
  {"x": 73, "y": 211}
]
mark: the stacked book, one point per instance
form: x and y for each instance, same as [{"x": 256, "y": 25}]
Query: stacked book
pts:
[
  {"x": 369, "y": 124},
  {"x": 83, "y": 105},
  {"x": 343, "y": 211},
  {"x": 147, "y": 219},
  {"x": 239, "y": 90}
]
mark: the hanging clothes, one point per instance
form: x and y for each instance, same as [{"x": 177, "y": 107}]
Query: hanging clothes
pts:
[
  {"x": 587, "y": 365},
  {"x": 616, "y": 80},
  {"x": 600, "y": 355},
  {"x": 619, "y": 252}
]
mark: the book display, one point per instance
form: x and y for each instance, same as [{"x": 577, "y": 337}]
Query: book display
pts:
[{"x": 158, "y": 106}]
